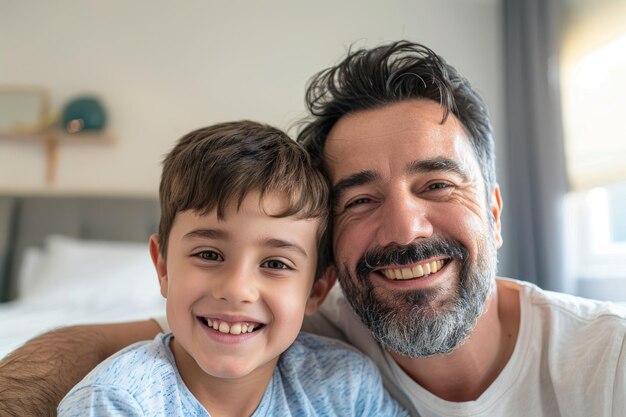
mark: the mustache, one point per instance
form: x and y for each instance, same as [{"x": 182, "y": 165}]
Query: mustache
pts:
[{"x": 415, "y": 252}]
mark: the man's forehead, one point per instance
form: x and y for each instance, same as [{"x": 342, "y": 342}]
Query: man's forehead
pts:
[
  {"x": 410, "y": 115},
  {"x": 396, "y": 133}
]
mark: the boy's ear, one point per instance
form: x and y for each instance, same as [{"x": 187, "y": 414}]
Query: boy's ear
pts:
[
  {"x": 159, "y": 263},
  {"x": 320, "y": 290}
]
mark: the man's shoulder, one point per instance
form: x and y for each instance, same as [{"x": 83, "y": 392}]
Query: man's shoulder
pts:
[
  {"x": 580, "y": 344},
  {"x": 572, "y": 329},
  {"x": 571, "y": 307}
]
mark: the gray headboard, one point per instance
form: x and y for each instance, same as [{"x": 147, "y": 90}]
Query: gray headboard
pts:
[{"x": 26, "y": 221}]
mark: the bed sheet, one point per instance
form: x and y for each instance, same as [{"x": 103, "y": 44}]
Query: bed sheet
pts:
[{"x": 74, "y": 281}]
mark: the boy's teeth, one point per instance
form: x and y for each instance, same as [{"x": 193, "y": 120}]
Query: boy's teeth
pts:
[
  {"x": 415, "y": 272},
  {"x": 224, "y": 328},
  {"x": 236, "y": 328}
]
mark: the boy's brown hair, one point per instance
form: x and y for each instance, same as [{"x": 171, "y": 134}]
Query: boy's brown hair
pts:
[{"x": 213, "y": 166}]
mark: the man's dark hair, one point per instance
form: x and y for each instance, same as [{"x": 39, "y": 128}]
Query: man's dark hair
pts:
[{"x": 372, "y": 78}]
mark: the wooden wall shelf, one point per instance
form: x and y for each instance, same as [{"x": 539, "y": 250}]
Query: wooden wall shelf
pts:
[{"x": 51, "y": 139}]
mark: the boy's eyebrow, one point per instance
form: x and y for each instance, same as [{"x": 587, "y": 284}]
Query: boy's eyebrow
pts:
[
  {"x": 284, "y": 244},
  {"x": 207, "y": 234},
  {"x": 223, "y": 235}
]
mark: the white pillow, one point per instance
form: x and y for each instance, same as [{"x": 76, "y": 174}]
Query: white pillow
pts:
[
  {"x": 27, "y": 274},
  {"x": 95, "y": 273}
]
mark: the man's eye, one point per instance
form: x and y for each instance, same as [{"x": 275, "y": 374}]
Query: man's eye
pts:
[
  {"x": 274, "y": 264},
  {"x": 358, "y": 201},
  {"x": 209, "y": 255},
  {"x": 438, "y": 186}
]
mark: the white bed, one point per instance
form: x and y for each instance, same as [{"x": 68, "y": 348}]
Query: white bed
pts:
[{"x": 55, "y": 280}]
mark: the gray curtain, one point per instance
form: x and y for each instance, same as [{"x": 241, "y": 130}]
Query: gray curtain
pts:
[{"x": 535, "y": 153}]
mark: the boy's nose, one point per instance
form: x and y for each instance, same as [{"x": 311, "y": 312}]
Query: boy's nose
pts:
[
  {"x": 238, "y": 285},
  {"x": 404, "y": 218}
]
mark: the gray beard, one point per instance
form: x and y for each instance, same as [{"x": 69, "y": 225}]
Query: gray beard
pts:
[{"x": 422, "y": 323}]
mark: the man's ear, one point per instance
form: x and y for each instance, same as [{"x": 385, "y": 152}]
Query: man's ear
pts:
[
  {"x": 159, "y": 263},
  {"x": 496, "y": 212},
  {"x": 320, "y": 290}
]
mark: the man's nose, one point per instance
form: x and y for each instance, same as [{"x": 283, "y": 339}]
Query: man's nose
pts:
[
  {"x": 403, "y": 219},
  {"x": 237, "y": 285}
]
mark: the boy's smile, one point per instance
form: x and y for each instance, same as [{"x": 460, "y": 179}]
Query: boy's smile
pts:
[
  {"x": 237, "y": 288},
  {"x": 233, "y": 328}
]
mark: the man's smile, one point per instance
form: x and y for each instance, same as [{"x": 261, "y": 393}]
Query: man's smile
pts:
[{"x": 417, "y": 271}]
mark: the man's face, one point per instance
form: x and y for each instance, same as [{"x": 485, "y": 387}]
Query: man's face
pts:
[{"x": 415, "y": 240}]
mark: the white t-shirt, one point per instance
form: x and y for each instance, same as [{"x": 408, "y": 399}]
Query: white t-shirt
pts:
[{"x": 569, "y": 359}]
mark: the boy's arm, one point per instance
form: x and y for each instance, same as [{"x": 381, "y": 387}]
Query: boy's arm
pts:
[{"x": 35, "y": 377}]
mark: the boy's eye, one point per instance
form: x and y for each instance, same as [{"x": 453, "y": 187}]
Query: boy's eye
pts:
[
  {"x": 274, "y": 264},
  {"x": 209, "y": 255}
]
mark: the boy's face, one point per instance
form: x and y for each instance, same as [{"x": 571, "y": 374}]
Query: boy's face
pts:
[{"x": 237, "y": 289}]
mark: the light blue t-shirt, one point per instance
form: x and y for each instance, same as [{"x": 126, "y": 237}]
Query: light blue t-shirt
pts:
[{"x": 314, "y": 377}]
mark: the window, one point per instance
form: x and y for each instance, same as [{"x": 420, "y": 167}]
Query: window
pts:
[
  {"x": 596, "y": 235},
  {"x": 593, "y": 81}
]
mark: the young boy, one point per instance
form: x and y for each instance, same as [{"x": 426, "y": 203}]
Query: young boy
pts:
[{"x": 240, "y": 255}]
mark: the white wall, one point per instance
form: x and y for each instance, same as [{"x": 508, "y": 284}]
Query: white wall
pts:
[{"x": 163, "y": 68}]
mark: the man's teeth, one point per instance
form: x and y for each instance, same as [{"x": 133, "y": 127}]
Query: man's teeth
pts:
[
  {"x": 415, "y": 272},
  {"x": 235, "y": 328}
]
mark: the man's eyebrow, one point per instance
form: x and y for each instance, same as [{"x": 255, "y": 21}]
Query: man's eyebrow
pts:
[
  {"x": 438, "y": 164},
  {"x": 415, "y": 167},
  {"x": 207, "y": 234},
  {"x": 354, "y": 180},
  {"x": 284, "y": 244}
]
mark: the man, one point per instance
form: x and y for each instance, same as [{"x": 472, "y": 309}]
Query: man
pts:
[{"x": 407, "y": 146}]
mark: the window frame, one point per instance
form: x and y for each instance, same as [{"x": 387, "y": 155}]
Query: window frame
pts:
[{"x": 592, "y": 252}]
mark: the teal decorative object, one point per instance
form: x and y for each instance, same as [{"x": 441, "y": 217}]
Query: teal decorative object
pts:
[{"x": 84, "y": 114}]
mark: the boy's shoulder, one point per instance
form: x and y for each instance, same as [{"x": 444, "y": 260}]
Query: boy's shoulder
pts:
[
  {"x": 307, "y": 343},
  {"x": 329, "y": 377},
  {"x": 313, "y": 354},
  {"x": 139, "y": 380},
  {"x": 134, "y": 367}
]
